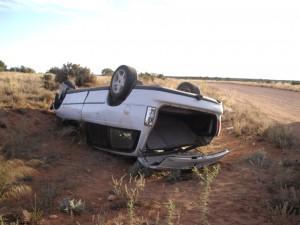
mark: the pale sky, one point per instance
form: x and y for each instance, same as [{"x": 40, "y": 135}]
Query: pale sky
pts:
[{"x": 232, "y": 38}]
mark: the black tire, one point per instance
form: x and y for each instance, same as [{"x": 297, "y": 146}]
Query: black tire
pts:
[
  {"x": 122, "y": 82},
  {"x": 188, "y": 87}
]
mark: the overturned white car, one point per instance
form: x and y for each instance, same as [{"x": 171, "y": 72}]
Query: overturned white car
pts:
[{"x": 157, "y": 125}]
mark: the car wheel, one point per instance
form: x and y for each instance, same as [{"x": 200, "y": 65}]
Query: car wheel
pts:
[
  {"x": 188, "y": 87},
  {"x": 122, "y": 82}
]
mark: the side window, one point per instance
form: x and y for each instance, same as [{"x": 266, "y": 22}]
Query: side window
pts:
[
  {"x": 97, "y": 135},
  {"x": 111, "y": 138},
  {"x": 123, "y": 139}
]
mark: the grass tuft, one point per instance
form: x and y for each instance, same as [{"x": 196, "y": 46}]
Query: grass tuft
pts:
[
  {"x": 259, "y": 159},
  {"x": 281, "y": 136},
  {"x": 206, "y": 177},
  {"x": 11, "y": 172}
]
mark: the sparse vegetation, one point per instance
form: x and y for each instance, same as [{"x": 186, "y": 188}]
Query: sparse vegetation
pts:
[
  {"x": 248, "y": 122},
  {"x": 22, "y": 69},
  {"x": 36, "y": 91},
  {"x": 129, "y": 191},
  {"x": 284, "y": 206},
  {"x": 259, "y": 159},
  {"x": 72, "y": 206},
  {"x": 107, "y": 72},
  {"x": 36, "y": 215},
  {"x": 170, "y": 205},
  {"x": 23, "y": 91},
  {"x": 281, "y": 136},
  {"x": 46, "y": 196},
  {"x": 2, "y": 66},
  {"x": 206, "y": 177},
  {"x": 291, "y": 85},
  {"x": 11, "y": 172},
  {"x": 48, "y": 81},
  {"x": 81, "y": 75}
]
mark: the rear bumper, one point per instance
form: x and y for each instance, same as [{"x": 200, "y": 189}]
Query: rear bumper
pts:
[{"x": 181, "y": 161}]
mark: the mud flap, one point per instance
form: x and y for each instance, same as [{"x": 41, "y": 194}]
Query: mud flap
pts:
[{"x": 181, "y": 161}]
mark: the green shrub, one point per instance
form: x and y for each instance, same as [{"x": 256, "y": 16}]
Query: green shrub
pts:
[
  {"x": 72, "y": 206},
  {"x": 107, "y": 72},
  {"x": 81, "y": 75},
  {"x": 2, "y": 66},
  {"x": 48, "y": 81},
  {"x": 259, "y": 160}
]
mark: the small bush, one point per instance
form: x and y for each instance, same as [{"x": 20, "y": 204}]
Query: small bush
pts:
[
  {"x": 10, "y": 173},
  {"x": 72, "y": 206},
  {"x": 148, "y": 77},
  {"x": 281, "y": 136},
  {"x": 36, "y": 215},
  {"x": 287, "y": 201},
  {"x": 46, "y": 196},
  {"x": 295, "y": 82},
  {"x": 2, "y": 66},
  {"x": 107, "y": 72},
  {"x": 248, "y": 122},
  {"x": 48, "y": 81},
  {"x": 129, "y": 191},
  {"x": 206, "y": 177},
  {"x": 284, "y": 203},
  {"x": 259, "y": 160},
  {"x": 81, "y": 75}
]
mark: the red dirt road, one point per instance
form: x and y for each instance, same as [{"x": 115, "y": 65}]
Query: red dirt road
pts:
[{"x": 281, "y": 105}]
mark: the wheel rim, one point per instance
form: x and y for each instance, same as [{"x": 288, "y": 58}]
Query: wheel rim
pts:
[{"x": 118, "y": 81}]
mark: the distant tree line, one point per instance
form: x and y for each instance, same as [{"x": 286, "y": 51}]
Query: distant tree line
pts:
[
  {"x": 151, "y": 76},
  {"x": 22, "y": 69},
  {"x": 144, "y": 75},
  {"x": 82, "y": 76},
  {"x": 293, "y": 82}
]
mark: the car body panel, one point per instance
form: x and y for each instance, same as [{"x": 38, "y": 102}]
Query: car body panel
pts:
[{"x": 182, "y": 161}]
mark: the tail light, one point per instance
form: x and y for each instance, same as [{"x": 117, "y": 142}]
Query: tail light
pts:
[{"x": 150, "y": 116}]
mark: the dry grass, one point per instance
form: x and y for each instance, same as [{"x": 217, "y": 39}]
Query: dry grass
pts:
[
  {"x": 284, "y": 203},
  {"x": 281, "y": 135},
  {"x": 11, "y": 172},
  {"x": 21, "y": 90},
  {"x": 246, "y": 119}
]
